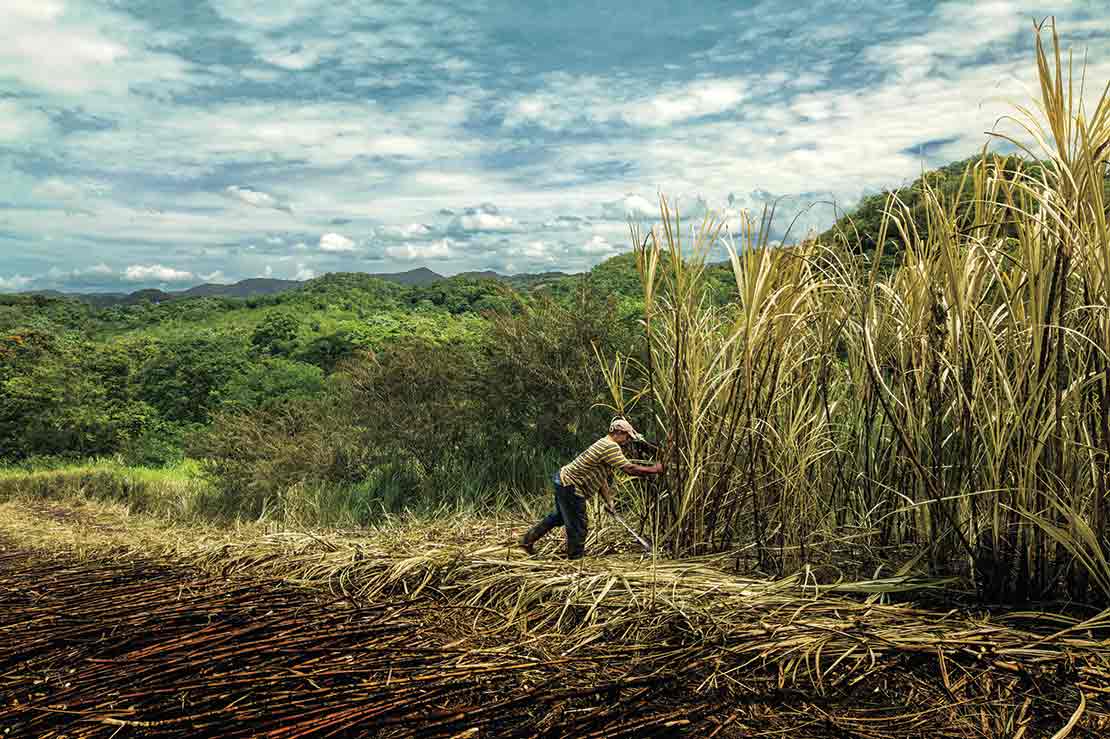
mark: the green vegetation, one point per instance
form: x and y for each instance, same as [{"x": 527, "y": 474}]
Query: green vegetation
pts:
[
  {"x": 176, "y": 492},
  {"x": 363, "y": 395}
]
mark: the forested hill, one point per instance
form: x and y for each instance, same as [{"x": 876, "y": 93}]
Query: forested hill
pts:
[
  {"x": 137, "y": 378},
  {"x": 243, "y": 289}
]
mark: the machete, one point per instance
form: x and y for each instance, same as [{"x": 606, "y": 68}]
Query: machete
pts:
[{"x": 643, "y": 542}]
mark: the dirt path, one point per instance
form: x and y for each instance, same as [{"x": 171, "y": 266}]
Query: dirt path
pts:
[{"x": 110, "y": 649}]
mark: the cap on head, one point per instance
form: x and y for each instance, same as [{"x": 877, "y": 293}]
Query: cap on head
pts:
[{"x": 619, "y": 424}]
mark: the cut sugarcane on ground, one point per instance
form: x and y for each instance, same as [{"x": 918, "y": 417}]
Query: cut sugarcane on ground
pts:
[{"x": 131, "y": 624}]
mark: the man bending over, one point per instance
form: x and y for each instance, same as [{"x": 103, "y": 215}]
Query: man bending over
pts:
[{"x": 575, "y": 483}]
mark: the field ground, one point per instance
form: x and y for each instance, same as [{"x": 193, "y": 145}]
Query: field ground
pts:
[{"x": 121, "y": 625}]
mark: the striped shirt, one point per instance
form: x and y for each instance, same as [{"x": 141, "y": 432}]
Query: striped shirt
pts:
[{"x": 592, "y": 468}]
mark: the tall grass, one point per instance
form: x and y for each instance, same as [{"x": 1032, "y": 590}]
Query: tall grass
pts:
[
  {"x": 177, "y": 492},
  {"x": 956, "y": 409},
  {"x": 188, "y": 493}
]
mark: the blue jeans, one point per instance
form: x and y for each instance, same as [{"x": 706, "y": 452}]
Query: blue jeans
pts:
[{"x": 570, "y": 512}]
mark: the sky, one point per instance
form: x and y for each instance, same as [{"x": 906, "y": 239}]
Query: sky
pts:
[{"x": 165, "y": 143}]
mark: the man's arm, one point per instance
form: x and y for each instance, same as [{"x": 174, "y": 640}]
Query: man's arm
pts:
[
  {"x": 607, "y": 494},
  {"x": 616, "y": 459},
  {"x": 640, "y": 470}
]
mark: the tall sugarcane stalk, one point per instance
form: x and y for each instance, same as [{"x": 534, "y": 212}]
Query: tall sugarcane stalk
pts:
[{"x": 953, "y": 411}]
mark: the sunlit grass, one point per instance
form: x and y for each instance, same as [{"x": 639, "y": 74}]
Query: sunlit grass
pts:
[{"x": 176, "y": 492}]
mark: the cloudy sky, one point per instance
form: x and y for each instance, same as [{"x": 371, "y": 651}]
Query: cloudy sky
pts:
[{"x": 169, "y": 142}]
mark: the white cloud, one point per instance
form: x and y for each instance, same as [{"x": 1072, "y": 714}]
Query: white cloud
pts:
[
  {"x": 261, "y": 75},
  {"x": 304, "y": 273},
  {"x": 699, "y": 99},
  {"x": 634, "y": 207},
  {"x": 218, "y": 277},
  {"x": 267, "y": 16},
  {"x": 959, "y": 30},
  {"x": 256, "y": 198},
  {"x": 333, "y": 242},
  {"x": 15, "y": 282},
  {"x": 34, "y": 11},
  {"x": 300, "y": 56},
  {"x": 394, "y": 42},
  {"x": 483, "y": 221},
  {"x": 101, "y": 270},
  {"x": 403, "y": 233},
  {"x": 597, "y": 245},
  {"x": 48, "y": 47},
  {"x": 55, "y": 189},
  {"x": 412, "y": 252},
  {"x": 536, "y": 252},
  {"x": 328, "y": 134},
  {"x": 19, "y": 123},
  {"x": 582, "y": 102},
  {"x": 155, "y": 273}
]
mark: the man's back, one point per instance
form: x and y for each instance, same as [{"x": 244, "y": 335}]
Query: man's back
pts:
[{"x": 591, "y": 469}]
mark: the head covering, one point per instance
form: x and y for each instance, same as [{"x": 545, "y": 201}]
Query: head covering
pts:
[{"x": 619, "y": 424}]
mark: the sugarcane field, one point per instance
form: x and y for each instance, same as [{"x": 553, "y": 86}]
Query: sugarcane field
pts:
[{"x": 518, "y": 370}]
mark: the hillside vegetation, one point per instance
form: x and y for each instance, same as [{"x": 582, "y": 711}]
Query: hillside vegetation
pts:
[{"x": 341, "y": 378}]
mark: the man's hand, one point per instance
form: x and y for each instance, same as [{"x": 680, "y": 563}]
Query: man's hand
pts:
[{"x": 640, "y": 470}]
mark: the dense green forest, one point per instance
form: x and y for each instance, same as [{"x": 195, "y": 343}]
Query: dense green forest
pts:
[{"x": 348, "y": 379}]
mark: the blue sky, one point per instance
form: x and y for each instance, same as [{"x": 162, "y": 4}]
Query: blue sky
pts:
[{"x": 163, "y": 143}]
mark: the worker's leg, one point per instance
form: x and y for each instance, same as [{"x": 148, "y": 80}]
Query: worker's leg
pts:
[
  {"x": 573, "y": 509},
  {"x": 548, "y": 522}
]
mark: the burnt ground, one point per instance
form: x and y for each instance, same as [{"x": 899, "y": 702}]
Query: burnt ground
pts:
[
  {"x": 117, "y": 649},
  {"x": 127, "y": 648}
]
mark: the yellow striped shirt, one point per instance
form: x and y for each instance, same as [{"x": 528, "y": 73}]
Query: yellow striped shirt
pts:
[{"x": 591, "y": 469}]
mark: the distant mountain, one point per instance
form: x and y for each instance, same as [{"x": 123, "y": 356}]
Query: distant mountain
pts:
[
  {"x": 265, "y": 286},
  {"x": 241, "y": 289},
  {"x": 488, "y": 274},
  {"x": 418, "y": 276}
]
